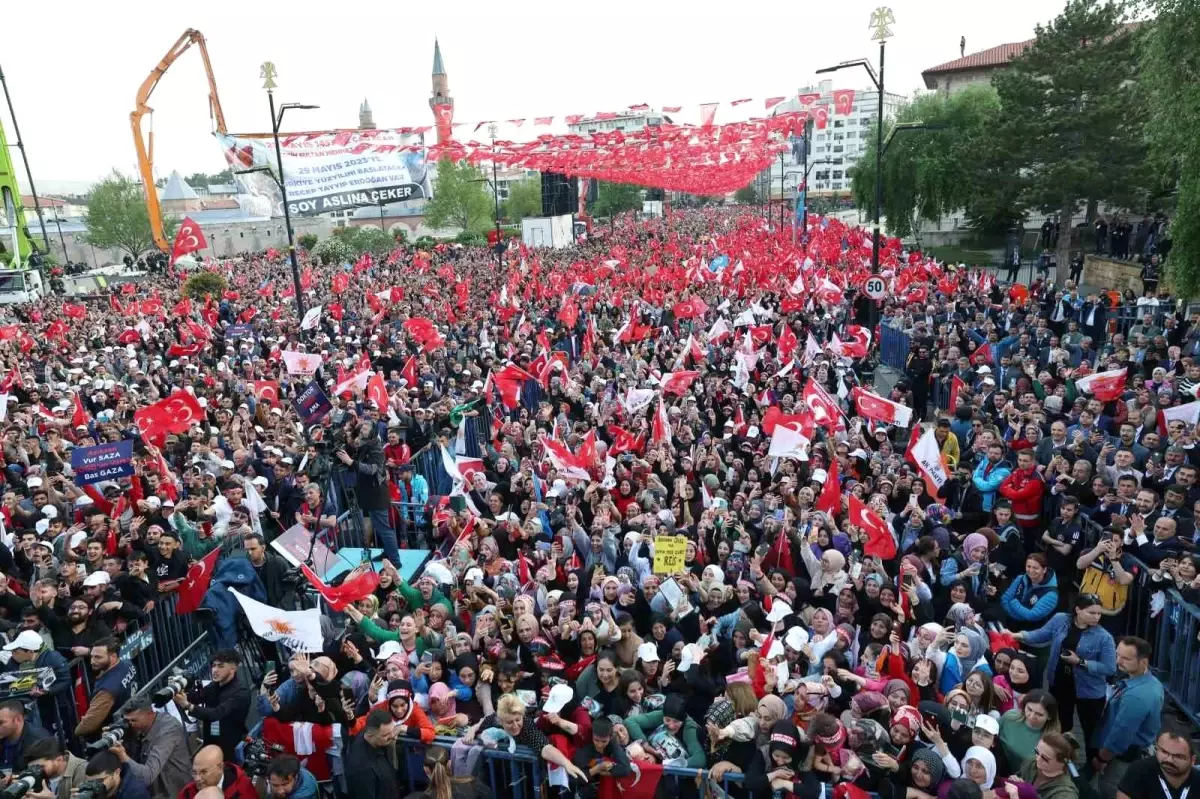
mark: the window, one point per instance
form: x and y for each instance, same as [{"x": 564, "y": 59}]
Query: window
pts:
[
  {"x": 839, "y": 136},
  {"x": 838, "y": 123},
  {"x": 823, "y": 175},
  {"x": 837, "y": 185},
  {"x": 837, "y": 174},
  {"x": 838, "y": 148},
  {"x": 864, "y": 121}
]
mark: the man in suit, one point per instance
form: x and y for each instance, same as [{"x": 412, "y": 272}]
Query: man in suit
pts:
[
  {"x": 1092, "y": 317},
  {"x": 1173, "y": 508}
]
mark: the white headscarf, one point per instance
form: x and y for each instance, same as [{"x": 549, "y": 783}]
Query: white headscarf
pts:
[{"x": 985, "y": 757}]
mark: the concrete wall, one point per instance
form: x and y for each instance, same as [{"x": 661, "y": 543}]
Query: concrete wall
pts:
[{"x": 1106, "y": 273}]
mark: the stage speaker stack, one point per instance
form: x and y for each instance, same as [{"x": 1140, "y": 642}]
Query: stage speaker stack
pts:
[{"x": 560, "y": 194}]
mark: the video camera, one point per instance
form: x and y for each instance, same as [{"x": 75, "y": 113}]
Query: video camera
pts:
[
  {"x": 28, "y": 780},
  {"x": 92, "y": 789},
  {"x": 176, "y": 683},
  {"x": 256, "y": 756}
]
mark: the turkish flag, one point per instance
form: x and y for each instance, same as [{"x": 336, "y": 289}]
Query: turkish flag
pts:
[
  {"x": 80, "y": 416},
  {"x": 151, "y": 307},
  {"x": 685, "y": 310},
  {"x": 190, "y": 238},
  {"x": 790, "y": 305},
  {"x": 177, "y": 412},
  {"x": 198, "y": 331},
  {"x": 129, "y": 288},
  {"x": 1104, "y": 386},
  {"x": 569, "y": 315},
  {"x": 873, "y": 406},
  {"x": 231, "y": 295},
  {"x": 982, "y": 355},
  {"x": 211, "y": 317},
  {"x": 245, "y": 316},
  {"x": 624, "y": 441},
  {"x": 843, "y": 101},
  {"x": 821, "y": 115},
  {"x": 830, "y": 499},
  {"x": 267, "y": 391},
  {"x": 9, "y": 332},
  {"x": 824, "y": 408},
  {"x": 128, "y": 336},
  {"x": 341, "y": 282},
  {"x": 858, "y": 341},
  {"x": 74, "y": 311},
  {"x": 377, "y": 391},
  {"x": 306, "y": 279},
  {"x": 195, "y": 585},
  {"x": 336, "y": 310},
  {"x": 183, "y": 307},
  {"x": 266, "y": 290},
  {"x": 762, "y": 334},
  {"x": 114, "y": 305},
  {"x": 509, "y": 381},
  {"x": 190, "y": 350},
  {"x": 787, "y": 343},
  {"x": 409, "y": 372},
  {"x": 880, "y": 541},
  {"x": 359, "y": 583},
  {"x": 956, "y": 385},
  {"x": 677, "y": 382}
]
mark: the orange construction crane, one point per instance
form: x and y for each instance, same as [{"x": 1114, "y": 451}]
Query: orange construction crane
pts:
[{"x": 145, "y": 149}]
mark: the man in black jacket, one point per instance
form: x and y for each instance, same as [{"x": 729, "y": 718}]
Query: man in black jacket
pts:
[
  {"x": 221, "y": 706},
  {"x": 270, "y": 568},
  {"x": 370, "y": 772},
  {"x": 365, "y": 456}
]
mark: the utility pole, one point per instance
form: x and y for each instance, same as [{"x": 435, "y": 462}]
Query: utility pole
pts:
[{"x": 496, "y": 196}]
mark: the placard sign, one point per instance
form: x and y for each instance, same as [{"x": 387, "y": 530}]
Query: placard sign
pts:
[
  {"x": 102, "y": 462},
  {"x": 669, "y": 553},
  {"x": 312, "y": 404}
]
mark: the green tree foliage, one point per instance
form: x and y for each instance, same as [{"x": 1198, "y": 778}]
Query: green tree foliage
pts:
[
  {"x": 366, "y": 239},
  {"x": 524, "y": 199},
  {"x": 1073, "y": 112},
  {"x": 307, "y": 241},
  {"x": 204, "y": 282},
  {"x": 117, "y": 216},
  {"x": 746, "y": 195},
  {"x": 198, "y": 180},
  {"x": 334, "y": 250},
  {"x": 930, "y": 173},
  {"x": 616, "y": 198},
  {"x": 1171, "y": 78},
  {"x": 459, "y": 198}
]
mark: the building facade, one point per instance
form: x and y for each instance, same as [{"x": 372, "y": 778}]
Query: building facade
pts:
[{"x": 954, "y": 76}]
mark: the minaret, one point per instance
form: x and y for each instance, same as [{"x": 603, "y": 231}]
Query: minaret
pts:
[
  {"x": 441, "y": 103},
  {"x": 366, "y": 120}
]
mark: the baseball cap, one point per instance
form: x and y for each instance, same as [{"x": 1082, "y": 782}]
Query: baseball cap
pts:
[
  {"x": 97, "y": 578},
  {"x": 560, "y": 695},
  {"x": 987, "y": 724},
  {"x": 647, "y": 653},
  {"x": 27, "y": 640}
]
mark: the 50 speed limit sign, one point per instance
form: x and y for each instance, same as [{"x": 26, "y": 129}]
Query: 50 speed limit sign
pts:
[{"x": 875, "y": 288}]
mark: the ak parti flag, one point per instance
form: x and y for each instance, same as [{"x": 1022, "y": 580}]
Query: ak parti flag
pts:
[
  {"x": 880, "y": 541},
  {"x": 195, "y": 585}
]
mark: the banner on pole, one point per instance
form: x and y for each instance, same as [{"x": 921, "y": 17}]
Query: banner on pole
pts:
[
  {"x": 102, "y": 462},
  {"x": 332, "y": 171}
]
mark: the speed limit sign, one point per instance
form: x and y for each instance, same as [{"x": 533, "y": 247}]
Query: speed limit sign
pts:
[{"x": 875, "y": 288}]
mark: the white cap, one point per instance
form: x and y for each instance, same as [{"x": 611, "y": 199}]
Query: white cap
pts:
[
  {"x": 42, "y": 526},
  {"x": 34, "y": 482},
  {"x": 860, "y": 453},
  {"x": 776, "y": 649},
  {"x": 692, "y": 653},
  {"x": 259, "y": 481},
  {"x": 560, "y": 695},
  {"x": 557, "y": 489},
  {"x": 388, "y": 649},
  {"x": 28, "y": 640},
  {"x": 820, "y": 475},
  {"x": 987, "y": 381},
  {"x": 986, "y": 723},
  {"x": 77, "y": 539},
  {"x": 752, "y": 432},
  {"x": 984, "y": 370},
  {"x": 796, "y": 638},
  {"x": 50, "y": 512},
  {"x": 474, "y": 575},
  {"x": 780, "y": 610},
  {"x": 97, "y": 578},
  {"x": 647, "y": 653},
  {"x": 153, "y": 502}
]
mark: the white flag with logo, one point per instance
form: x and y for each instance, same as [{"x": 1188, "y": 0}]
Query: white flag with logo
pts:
[
  {"x": 788, "y": 443},
  {"x": 304, "y": 364},
  {"x": 296, "y": 629},
  {"x": 311, "y": 318},
  {"x": 928, "y": 456},
  {"x": 638, "y": 398}
]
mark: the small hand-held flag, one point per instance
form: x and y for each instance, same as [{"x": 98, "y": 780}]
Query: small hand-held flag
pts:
[{"x": 190, "y": 238}]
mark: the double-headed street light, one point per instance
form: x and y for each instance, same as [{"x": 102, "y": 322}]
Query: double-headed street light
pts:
[{"x": 268, "y": 73}]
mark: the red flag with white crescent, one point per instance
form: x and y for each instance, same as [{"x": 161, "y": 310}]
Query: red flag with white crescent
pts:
[
  {"x": 830, "y": 499},
  {"x": 267, "y": 391},
  {"x": 677, "y": 382},
  {"x": 377, "y": 391},
  {"x": 880, "y": 541},
  {"x": 190, "y": 238},
  {"x": 195, "y": 585},
  {"x": 873, "y": 406},
  {"x": 1104, "y": 386},
  {"x": 957, "y": 384}
]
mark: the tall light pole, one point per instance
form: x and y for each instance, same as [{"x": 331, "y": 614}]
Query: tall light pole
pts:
[
  {"x": 881, "y": 20},
  {"x": 268, "y": 73},
  {"x": 496, "y": 195}
]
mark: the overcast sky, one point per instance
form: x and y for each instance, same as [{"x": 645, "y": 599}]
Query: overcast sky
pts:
[{"x": 74, "y": 66}]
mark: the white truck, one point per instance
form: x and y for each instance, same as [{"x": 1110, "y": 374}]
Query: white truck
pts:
[{"x": 20, "y": 285}]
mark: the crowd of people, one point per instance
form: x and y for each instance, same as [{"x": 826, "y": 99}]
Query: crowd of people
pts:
[{"x": 631, "y": 570}]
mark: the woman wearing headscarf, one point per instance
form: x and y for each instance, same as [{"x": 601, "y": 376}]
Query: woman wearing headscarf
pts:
[
  {"x": 833, "y": 759},
  {"x": 978, "y": 766},
  {"x": 920, "y": 778},
  {"x": 743, "y": 735},
  {"x": 826, "y": 575},
  {"x": 965, "y": 654},
  {"x": 970, "y": 566},
  {"x": 777, "y": 767}
]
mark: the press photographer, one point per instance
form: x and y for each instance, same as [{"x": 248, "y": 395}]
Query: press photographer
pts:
[
  {"x": 364, "y": 454},
  {"x": 108, "y": 778},
  {"x": 221, "y": 706},
  {"x": 156, "y": 749},
  {"x": 61, "y": 770}
]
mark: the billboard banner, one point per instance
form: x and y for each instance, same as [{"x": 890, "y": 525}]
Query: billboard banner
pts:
[{"x": 333, "y": 171}]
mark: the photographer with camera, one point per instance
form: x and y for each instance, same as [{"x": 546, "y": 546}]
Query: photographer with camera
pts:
[
  {"x": 111, "y": 687},
  {"x": 210, "y": 771},
  {"x": 61, "y": 770},
  {"x": 286, "y": 779},
  {"x": 364, "y": 454},
  {"x": 17, "y": 734},
  {"x": 221, "y": 706},
  {"x": 157, "y": 750},
  {"x": 108, "y": 778}
]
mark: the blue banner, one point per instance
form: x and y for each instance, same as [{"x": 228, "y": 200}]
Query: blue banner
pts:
[
  {"x": 312, "y": 404},
  {"x": 102, "y": 462},
  {"x": 240, "y": 331}
]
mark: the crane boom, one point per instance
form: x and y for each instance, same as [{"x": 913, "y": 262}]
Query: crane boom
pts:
[{"x": 145, "y": 149}]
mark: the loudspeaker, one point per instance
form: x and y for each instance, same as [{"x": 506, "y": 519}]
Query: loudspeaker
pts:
[{"x": 560, "y": 194}]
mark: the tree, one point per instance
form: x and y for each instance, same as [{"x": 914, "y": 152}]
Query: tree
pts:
[
  {"x": 307, "y": 241},
  {"x": 366, "y": 239},
  {"x": 929, "y": 173},
  {"x": 524, "y": 199},
  {"x": 204, "y": 283},
  {"x": 334, "y": 250},
  {"x": 746, "y": 195},
  {"x": 198, "y": 180},
  {"x": 459, "y": 199},
  {"x": 1172, "y": 86},
  {"x": 615, "y": 198},
  {"x": 1072, "y": 114},
  {"x": 117, "y": 216}
]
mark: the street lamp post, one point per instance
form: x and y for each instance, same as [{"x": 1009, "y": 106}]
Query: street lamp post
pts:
[
  {"x": 496, "y": 195},
  {"x": 881, "y": 20},
  {"x": 268, "y": 73}
]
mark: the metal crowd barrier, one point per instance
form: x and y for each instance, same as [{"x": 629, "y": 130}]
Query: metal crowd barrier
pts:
[{"x": 894, "y": 345}]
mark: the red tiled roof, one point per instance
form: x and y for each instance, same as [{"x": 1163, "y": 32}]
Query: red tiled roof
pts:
[
  {"x": 43, "y": 200},
  {"x": 992, "y": 57}
]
